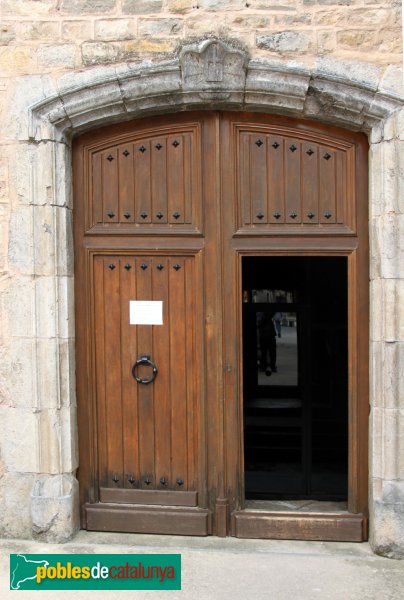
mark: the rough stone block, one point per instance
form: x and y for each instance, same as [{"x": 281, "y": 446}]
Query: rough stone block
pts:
[
  {"x": 57, "y": 442},
  {"x": 275, "y": 4},
  {"x": 388, "y": 240},
  {"x": 21, "y": 241},
  {"x": 77, "y": 7},
  {"x": 22, "y": 8},
  {"x": 17, "y": 373},
  {"x": 77, "y": 30},
  {"x": 17, "y": 307},
  {"x": 46, "y": 307},
  {"x": 7, "y": 32},
  {"x": 157, "y": 27},
  {"x": 15, "y": 494},
  {"x": 115, "y": 29},
  {"x": 376, "y": 442},
  {"x": 39, "y": 30},
  {"x": 392, "y": 81},
  {"x": 61, "y": 55},
  {"x": 221, "y": 4},
  {"x": 19, "y": 448},
  {"x": 180, "y": 6},
  {"x": 285, "y": 42},
  {"x": 354, "y": 71},
  {"x": 326, "y": 42},
  {"x": 393, "y": 380},
  {"x": 65, "y": 291},
  {"x": 17, "y": 60},
  {"x": 393, "y": 448},
  {"x": 55, "y": 508},
  {"x": 358, "y": 39},
  {"x": 141, "y": 7},
  {"x": 67, "y": 378},
  {"x": 387, "y": 527}
]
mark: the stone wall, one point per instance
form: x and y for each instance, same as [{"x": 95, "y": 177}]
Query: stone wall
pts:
[
  {"x": 67, "y": 65},
  {"x": 43, "y": 36}
]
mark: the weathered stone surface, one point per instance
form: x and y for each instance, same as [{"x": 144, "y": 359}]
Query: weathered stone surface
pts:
[
  {"x": 17, "y": 374},
  {"x": 17, "y": 315},
  {"x": 387, "y": 525},
  {"x": 17, "y": 60},
  {"x": 94, "y": 53},
  {"x": 77, "y": 7},
  {"x": 54, "y": 508},
  {"x": 23, "y": 8},
  {"x": 15, "y": 490},
  {"x": 157, "y": 27},
  {"x": 39, "y": 30},
  {"x": 220, "y": 4},
  {"x": 141, "y": 7},
  {"x": 7, "y": 32},
  {"x": 387, "y": 252},
  {"x": 62, "y": 55},
  {"x": 19, "y": 449},
  {"x": 285, "y": 42},
  {"x": 181, "y": 6},
  {"x": 355, "y": 72},
  {"x": 359, "y": 39},
  {"x": 77, "y": 30},
  {"x": 115, "y": 29}
]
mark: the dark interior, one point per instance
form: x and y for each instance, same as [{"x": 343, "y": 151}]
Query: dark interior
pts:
[{"x": 295, "y": 361}]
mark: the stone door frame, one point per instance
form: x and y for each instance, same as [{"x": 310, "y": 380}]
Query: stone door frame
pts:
[{"x": 208, "y": 75}]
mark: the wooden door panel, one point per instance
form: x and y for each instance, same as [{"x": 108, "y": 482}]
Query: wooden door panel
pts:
[
  {"x": 146, "y": 433},
  {"x": 151, "y": 180}
]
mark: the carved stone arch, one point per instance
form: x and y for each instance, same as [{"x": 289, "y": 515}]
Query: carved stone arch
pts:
[{"x": 210, "y": 74}]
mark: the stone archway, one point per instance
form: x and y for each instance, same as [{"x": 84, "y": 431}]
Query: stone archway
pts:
[{"x": 215, "y": 75}]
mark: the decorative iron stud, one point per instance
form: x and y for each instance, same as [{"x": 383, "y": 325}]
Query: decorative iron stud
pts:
[
  {"x": 277, "y": 215},
  {"x": 259, "y": 143},
  {"x": 159, "y": 215},
  {"x": 163, "y": 481},
  {"x": 176, "y": 215},
  {"x": 158, "y": 146},
  {"x": 128, "y": 266},
  {"x": 126, "y": 152},
  {"x": 175, "y": 143},
  {"x": 115, "y": 478},
  {"x": 177, "y": 267},
  {"x": 111, "y": 266},
  {"x": 275, "y": 145},
  {"x": 311, "y": 215},
  {"x": 328, "y": 215},
  {"x": 147, "y": 481},
  {"x": 293, "y": 148},
  {"x": 143, "y": 215},
  {"x": 143, "y": 266},
  {"x": 260, "y": 215},
  {"x": 111, "y": 214},
  {"x": 131, "y": 479},
  {"x": 327, "y": 156},
  {"x": 179, "y": 482},
  {"x": 110, "y": 157},
  {"x": 293, "y": 215},
  {"x": 310, "y": 152},
  {"x": 126, "y": 215},
  {"x": 160, "y": 267},
  {"x": 142, "y": 149}
]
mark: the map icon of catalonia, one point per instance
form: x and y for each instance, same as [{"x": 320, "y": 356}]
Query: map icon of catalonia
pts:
[{"x": 24, "y": 570}]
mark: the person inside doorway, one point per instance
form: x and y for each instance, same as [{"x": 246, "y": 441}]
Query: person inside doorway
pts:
[{"x": 267, "y": 342}]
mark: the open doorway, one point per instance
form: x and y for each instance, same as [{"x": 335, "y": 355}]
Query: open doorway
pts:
[{"x": 295, "y": 370}]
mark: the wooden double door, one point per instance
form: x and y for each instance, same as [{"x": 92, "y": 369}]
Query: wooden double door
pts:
[{"x": 166, "y": 210}]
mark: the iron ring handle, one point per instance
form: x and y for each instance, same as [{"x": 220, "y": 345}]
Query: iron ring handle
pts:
[{"x": 144, "y": 360}]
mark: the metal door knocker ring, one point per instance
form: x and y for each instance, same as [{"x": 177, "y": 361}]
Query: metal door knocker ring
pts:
[{"x": 144, "y": 360}]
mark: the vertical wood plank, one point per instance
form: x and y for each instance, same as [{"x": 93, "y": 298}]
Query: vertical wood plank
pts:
[
  {"x": 190, "y": 170},
  {"x": 258, "y": 181},
  {"x": 141, "y": 149},
  {"x": 113, "y": 389},
  {"x": 161, "y": 385},
  {"x": 341, "y": 191},
  {"x": 310, "y": 182},
  {"x": 327, "y": 185},
  {"x": 158, "y": 150},
  {"x": 292, "y": 154},
  {"x": 109, "y": 162},
  {"x": 178, "y": 373},
  {"x": 145, "y": 392},
  {"x": 129, "y": 353},
  {"x": 175, "y": 177},
  {"x": 99, "y": 334},
  {"x": 244, "y": 192},
  {"x": 96, "y": 188},
  {"x": 191, "y": 360},
  {"x": 276, "y": 179},
  {"x": 126, "y": 184}
]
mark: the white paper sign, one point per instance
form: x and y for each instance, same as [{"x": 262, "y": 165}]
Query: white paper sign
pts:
[{"x": 145, "y": 312}]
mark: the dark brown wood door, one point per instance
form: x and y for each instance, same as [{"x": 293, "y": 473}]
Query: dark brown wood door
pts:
[
  {"x": 165, "y": 211},
  {"x": 146, "y": 431}
]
